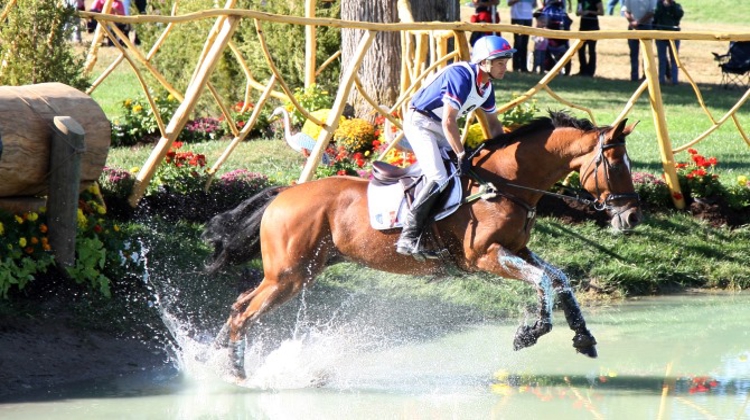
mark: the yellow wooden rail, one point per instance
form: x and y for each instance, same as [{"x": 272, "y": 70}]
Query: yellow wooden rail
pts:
[{"x": 424, "y": 51}]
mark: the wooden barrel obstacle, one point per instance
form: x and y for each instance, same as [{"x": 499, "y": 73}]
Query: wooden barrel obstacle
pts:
[{"x": 55, "y": 143}]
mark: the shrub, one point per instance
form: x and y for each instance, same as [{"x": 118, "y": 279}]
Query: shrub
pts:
[
  {"x": 738, "y": 194},
  {"x": 181, "y": 172},
  {"x": 697, "y": 178},
  {"x": 355, "y": 135},
  {"x": 40, "y": 51},
  {"x": 653, "y": 191},
  {"x": 138, "y": 122},
  {"x": 201, "y": 129}
]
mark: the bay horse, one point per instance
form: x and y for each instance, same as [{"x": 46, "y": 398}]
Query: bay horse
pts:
[{"x": 299, "y": 230}]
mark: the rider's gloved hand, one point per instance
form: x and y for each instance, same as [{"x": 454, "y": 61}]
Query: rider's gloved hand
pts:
[{"x": 463, "y": 163}]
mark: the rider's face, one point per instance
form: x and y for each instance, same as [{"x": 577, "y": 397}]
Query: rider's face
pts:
[{"x": 496, "y": 68}]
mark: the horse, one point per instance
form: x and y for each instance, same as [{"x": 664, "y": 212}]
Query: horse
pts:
[{"x": 299, "y": 230}]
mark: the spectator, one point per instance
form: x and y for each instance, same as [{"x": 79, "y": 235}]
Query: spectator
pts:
[
  {"x": 485, "y": 11},
  {"x": 521, "y": 13},
  {"x": 588, "y": 10},
  {"x": 611, "y": 6},
  {"x": 79, "y": 5},
  {"x": 667, "y": 18},
  {"x": 557, "y": 19},
  {"x": 118, "y": 8},
  {"x": 640, "y": 16},
  {"x": 141, "y": 6},
  {"x": 565, "y": 4},
  {"x": 540, "y": 47}
]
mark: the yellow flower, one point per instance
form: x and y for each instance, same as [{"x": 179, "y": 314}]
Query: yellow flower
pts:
[
  {"x": 116, "y": 228},
  {"x": 81, "y": 218},
  {"x": 137, "y": 109},
  {"x": 475, "y": 135},
  {"x": 2, "y": 229},
  {"x": 32, "y": 216},
  {"x": 19, "y": 219},
  {"x": 742, "y": 180},
  {"x": 135, "y": 170},
  {"x": 128, "y": 102},
  {"x": 22, "y": 241},
  {"x": 170, "y": 98}
]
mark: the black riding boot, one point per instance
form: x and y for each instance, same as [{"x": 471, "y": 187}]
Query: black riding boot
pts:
[{"x": 408, "y": 242}]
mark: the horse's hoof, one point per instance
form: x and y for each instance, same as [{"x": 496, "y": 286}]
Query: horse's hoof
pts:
[
  {"x": 585, "y": 343},
  {"x": 524, "y": 338},
  {"x": 589, "y": 351}
]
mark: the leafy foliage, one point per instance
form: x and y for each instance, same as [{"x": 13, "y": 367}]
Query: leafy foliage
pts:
[
  {"x": 103, "y": 250},
  {"x": 38, "y": 50}
]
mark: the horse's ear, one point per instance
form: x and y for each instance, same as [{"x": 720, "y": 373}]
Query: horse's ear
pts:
[{"x": 621, "y": 130}]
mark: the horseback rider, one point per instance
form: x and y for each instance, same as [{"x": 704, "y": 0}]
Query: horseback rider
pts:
[{"x": 431, "y": 125}]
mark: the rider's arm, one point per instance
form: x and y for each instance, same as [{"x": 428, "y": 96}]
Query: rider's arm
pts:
[
  {"x": 450, "y": 129},
  {"x": 494, "y": 124}
]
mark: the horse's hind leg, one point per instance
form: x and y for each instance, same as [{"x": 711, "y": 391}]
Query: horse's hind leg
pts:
[{"x": 248, "y": 308}]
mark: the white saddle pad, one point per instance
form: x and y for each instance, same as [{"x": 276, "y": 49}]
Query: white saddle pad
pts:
[{"x": 387, "y": 205}]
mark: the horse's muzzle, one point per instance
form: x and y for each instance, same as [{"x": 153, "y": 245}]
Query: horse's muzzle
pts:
[{"x": 626, "y": 218}]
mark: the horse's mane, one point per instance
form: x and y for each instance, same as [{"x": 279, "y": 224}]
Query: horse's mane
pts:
[{"x": 556, "y": 119}]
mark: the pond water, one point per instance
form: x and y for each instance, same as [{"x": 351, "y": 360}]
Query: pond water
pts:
[{"x": 674, "y": 357}]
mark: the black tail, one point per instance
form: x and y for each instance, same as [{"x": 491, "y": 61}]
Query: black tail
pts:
[{"x": 235, "y": 234}]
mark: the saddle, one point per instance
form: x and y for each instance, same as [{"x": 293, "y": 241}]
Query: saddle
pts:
[{"x": 392, "y": 189}]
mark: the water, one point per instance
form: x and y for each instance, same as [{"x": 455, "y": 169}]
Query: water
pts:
[{"x": 676, "y": 357}]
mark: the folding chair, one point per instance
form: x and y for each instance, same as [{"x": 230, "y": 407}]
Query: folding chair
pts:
[{"x": 735, "y": 65}]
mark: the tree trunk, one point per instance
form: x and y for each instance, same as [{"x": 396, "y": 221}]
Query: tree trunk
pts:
[{"x": 380, "y": 71}]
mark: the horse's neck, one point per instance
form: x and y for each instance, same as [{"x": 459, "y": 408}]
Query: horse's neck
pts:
[{"x": 540, "y": 162}]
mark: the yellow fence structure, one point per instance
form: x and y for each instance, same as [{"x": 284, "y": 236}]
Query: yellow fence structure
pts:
[{"x": 424, "y": 50}]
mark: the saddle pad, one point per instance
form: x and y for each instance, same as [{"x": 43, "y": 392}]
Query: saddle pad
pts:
[{"x": 387, "y": 204}]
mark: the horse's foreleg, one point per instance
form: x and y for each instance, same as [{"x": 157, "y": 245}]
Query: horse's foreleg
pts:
[
  {"x": 504, "y": 263},
  {"x": 583, "y": 341}
]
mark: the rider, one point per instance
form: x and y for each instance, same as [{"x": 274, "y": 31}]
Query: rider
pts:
[{"x": 431, "y": 124}]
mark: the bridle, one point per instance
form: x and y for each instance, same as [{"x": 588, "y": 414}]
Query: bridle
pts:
[{"x": 599, "y": 160}]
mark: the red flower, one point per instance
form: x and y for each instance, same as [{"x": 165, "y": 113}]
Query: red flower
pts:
[
  {"x": 341, "y": 172},
  {"x": 677, "y": 196},
  {"x": 98, "y": 229},
  {"x": 692, "y": 151}
]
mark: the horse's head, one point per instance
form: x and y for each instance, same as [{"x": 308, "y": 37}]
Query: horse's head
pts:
[{"x": 605, "y": 173}]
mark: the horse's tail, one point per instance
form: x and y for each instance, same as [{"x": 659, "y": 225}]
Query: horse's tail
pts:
[{"x": 235, "y": 234}]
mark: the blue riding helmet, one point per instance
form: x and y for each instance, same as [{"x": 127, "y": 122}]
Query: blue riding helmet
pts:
[{"x": 491, "y": 47}]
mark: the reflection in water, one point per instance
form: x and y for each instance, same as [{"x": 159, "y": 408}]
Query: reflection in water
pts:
[{"x": 680, "y": 357}]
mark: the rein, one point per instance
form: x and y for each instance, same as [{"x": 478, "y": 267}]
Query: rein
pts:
[{"x": 488, "y": 190}]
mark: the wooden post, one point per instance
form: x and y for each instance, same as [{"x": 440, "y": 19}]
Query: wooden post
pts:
[
  {"x": 66, "y": 148},
  {"x": 660, "y": 122},
  {"x": 310, "y": 45}
]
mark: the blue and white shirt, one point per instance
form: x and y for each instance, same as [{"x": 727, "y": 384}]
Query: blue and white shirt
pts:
[{"x": 457, "y": 86}]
